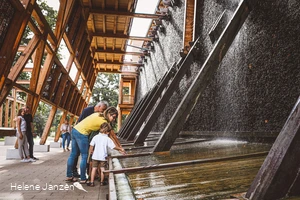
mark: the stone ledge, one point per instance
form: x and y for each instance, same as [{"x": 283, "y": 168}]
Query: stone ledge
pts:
[
  {"x": 12, "y": 154},
  {"x": 55, "y": 144},
  {"x": 41, "y": 148},
  {"x": 10, "y": 140}
]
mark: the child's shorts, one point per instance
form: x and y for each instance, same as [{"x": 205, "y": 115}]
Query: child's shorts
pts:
[{"x": 96, "y": 163}]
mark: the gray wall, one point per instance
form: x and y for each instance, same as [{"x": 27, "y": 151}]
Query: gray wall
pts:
[{"x": 258, "y": 81}]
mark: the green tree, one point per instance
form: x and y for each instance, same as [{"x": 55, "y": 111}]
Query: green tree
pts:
[
  {"x": 40, "y": 118},
  {"x": 106, "y": 88}
]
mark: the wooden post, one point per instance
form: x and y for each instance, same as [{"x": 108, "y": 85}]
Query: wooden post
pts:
[
  {"x": 184, "y": 66},
  {"x": 150, "y": 105},
  {"x": 1, "y": 114},
  {"x": 13, "y": 108},
  {"x": 19, "y": 66},
  {"x": 134, "y": 114},
  {"x": 188, "y": 162},
  {"x": 120, "y": 101},
  {"x": 6, "y": 112},
  {"x": 48, "y": 125},
  {"x": 210, "y": 66},
  {"x": 279, "y": 177}
]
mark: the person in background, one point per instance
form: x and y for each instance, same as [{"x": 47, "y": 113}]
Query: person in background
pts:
[
  {"x": 98, "y": 150},
  {"x": 22, "y": 138},
  {"x": 80, "y": 144},
  {"x": 99, "y": 107},
  {"x": 65, "y": 133},
  {"x": 29, "y": 130}
]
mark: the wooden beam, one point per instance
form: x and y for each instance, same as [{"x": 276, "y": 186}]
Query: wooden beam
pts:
[
  {"x": 43, "y": 24},
  {"x": 119, "y": 63},
  {"x": 200, "y": 82},
  {"x": 125, "y": 14},
  {"x": 48, "y": 125},
  {"x": 121, "y": 36},
  {"x": 18, "y": 67},
  {"x": 144, "y": 113},
  {"x": 61, "y": 88},
  {"x": 24, "y": 89},
  {"x": 188, "y": 31},
  {"x": 189, "y": 162},
  {"x": 11, "y": 42},
  {"x": 37, "y": 62},
  {"x": 282, "y": 163},
  {"x": 118, "y": 51},
  {"x": 135, "y": 112}
]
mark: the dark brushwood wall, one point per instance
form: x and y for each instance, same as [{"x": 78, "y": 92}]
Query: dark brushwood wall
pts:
[{"x": 258, "y": 82}]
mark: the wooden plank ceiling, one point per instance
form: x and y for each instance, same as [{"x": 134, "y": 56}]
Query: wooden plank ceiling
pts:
[{"x": 109, "y": 29}]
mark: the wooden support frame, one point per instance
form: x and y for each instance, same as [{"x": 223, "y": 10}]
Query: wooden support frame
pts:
[
  {"x": 189, "y": 18},
  {"x": 211, "y": 64},
  {"x": 121, "y": 36},
  {"x": 119, "y": 63},
  {"x": 117, "y": 51},
  {"x": 44, "y": 42},
  {"x": 125, "y": 14},
  {"x": 184, "y": 66},
  {"x": 157, "y": 93},
  {"x": 48, "y": 125},
  {"x": 19, "y": 66},
  {"x": 190, "y": 162},
  {"x": 282, "y": 163},
  {"x": 10, "y": 45},
  {"x": 130, "y": 120}
]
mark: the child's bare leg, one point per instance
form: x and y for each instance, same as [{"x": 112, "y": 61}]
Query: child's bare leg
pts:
[
  {"x": 99, "y": 171},
  {"x": 93, "y": 174},
  {"x": 102, "y": 174}
]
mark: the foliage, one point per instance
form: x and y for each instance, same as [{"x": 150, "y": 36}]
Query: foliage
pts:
[
  {"x": 56, "y": 121},
  {"x": 49, "y": 13},
  {"x": 40, "y": 118},
  {"x": 42, "y": 113},
  {"x": 39, "y": 121},
  {"x": 106, "y": 88},
  {"x": 23, "y": 76},
  {"x": 50, "y": 16}
]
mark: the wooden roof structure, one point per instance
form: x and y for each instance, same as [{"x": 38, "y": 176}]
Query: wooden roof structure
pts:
[{"x": 96, "y": 34}]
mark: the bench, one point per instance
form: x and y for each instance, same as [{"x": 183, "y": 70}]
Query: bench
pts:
[{"x": 7, "y": 132}]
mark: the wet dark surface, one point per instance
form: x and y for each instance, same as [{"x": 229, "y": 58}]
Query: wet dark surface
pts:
[
  {"x": 199, "y": 181},
  {"x": 213, "y": 180},
  {"x": 193, "y": 151}
]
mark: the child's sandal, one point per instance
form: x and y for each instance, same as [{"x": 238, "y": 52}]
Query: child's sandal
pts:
[
  {"x": 91, "y": 184},
  {"x": 102, "y": 183}
]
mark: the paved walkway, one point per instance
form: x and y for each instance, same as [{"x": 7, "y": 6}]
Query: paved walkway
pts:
[{"x": 43, "y": 179}]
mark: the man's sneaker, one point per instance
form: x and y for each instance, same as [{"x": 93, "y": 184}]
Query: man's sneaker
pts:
[
  {"x": 25, "y": 160},
  {"x": 35, "y": 158},
  {"x": 31, "y": 160}
]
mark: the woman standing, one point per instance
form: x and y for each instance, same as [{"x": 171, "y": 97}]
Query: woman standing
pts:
[
  {"x": 80, "y": 142},
  {"x": 22, "y": 138},
  {"x": 65, "y": 133}
]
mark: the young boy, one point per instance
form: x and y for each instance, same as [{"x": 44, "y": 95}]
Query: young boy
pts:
[{"x": 99, "y": 153}]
